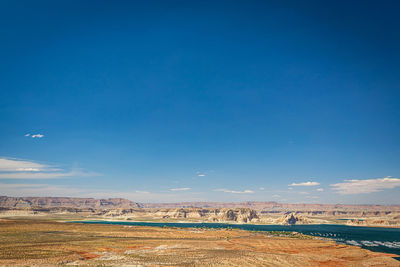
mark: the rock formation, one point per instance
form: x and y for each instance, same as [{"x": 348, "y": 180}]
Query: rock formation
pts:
[
  {"x": 243, "y": 215},
  {"x": 292, "y": 219}
]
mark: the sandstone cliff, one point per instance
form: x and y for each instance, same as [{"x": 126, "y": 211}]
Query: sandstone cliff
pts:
[
  {"x": 243, "y": 215},
  {"x": 292, "y": 219},
  {"x": 374, "y": 222}
]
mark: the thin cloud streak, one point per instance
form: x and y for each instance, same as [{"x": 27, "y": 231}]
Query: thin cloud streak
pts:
[
  {"x": 34, "y": 135},
  {"x": 305, "y": 184},
  {"x": 25, "y": 169},
  {"x": 353, "y": 187},
  {"x": 15, "y": 165},
  {"x": 47, "y": 175},
  {"x": 233, "y": 191},
  {"x": 180, "y": 189},
  {"x": 142, "y": 192}
]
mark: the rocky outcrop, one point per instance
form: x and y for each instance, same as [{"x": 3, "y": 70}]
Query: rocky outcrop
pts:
[
  {"x": 209, "y": 215},
  {"x": 374, "y": 222},
  {"x": 234, "y": 215},
  {"x": 292, "y": 219}
]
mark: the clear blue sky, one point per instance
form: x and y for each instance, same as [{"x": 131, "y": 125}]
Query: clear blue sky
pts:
[{"x": 201, "y": 100}]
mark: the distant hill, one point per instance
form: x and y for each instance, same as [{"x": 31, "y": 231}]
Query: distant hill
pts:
[
  {"x": 271, "y": 207},
  {"x": 53, "y": 202},
  {"x": 266, "y": 208}
]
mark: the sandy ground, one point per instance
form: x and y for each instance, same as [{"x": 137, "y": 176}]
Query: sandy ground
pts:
[{"x": 36, "y": 242}]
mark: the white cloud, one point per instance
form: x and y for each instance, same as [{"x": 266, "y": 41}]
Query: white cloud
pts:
[
  {"x": 234, "y": 192},
  {"x": 261, "y": 188},
  {"x": 142, "y": 192},
  {"x": 28, "y": 170},
  {"x": 14, "y": 165},
  {"x": 304, "y": 193},
  {"x": 34, "y": 135},
  {"x": 24, "y": 169},
  {"x": 201, "y": 173},
  {"x": 320, "y": 190},
  {"x": 352, "y": 187},
  {"x": 180, "y": 189},
  {"x": 46, "y": 175},
  {"x": 305, "y": 184}
]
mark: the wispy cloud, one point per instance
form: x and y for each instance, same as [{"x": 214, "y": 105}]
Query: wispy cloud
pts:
[
  {"x": 201, "y": 173},
  {"x": 352, "y": 187},
  {"x": 24, "y": 169},
  {"x": 305, "y": 184},
  {"x": 34, "y": 135},
  {"x": 320, "y": 190},
  {"x": 142, "y": 192},
  {"x": 180, "y": 189},
  {"x": 15, "y": 165},
  {"x": 234, "y": 192},
  {"x": 47, "y": 175}
]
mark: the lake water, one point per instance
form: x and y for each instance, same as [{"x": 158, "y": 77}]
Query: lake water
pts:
[{"x": 373, "y": 238}]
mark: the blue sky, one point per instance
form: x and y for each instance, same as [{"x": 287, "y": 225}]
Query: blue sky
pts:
[{"x": 161, "y": 101}]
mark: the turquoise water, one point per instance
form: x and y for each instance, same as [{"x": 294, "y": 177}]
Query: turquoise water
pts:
[{"x": 373, "y": 238}]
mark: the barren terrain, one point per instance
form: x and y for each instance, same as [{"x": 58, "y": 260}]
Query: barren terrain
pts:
[{"x": 33, "y": 242}]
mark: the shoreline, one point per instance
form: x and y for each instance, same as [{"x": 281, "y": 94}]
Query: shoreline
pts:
[{"x": 234, "y": 223}]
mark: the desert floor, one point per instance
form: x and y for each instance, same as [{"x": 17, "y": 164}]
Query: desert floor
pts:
[{"x": 34, "y": 242}]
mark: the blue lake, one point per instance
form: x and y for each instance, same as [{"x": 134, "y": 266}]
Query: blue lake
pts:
[{"x": 373, "y": 238}]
